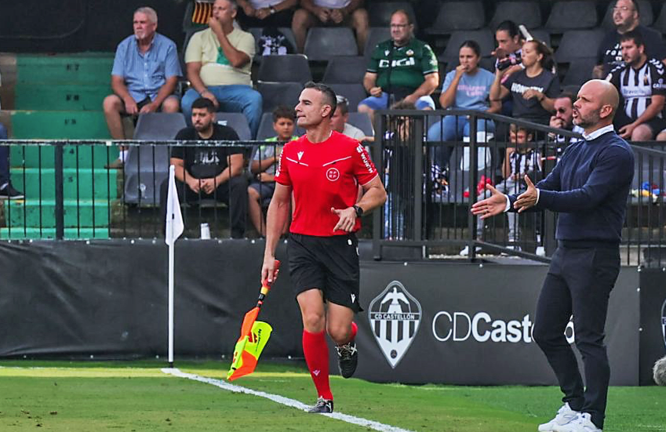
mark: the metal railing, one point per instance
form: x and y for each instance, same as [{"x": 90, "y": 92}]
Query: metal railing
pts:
[
  {"x": 70, "y": 195},
  {"x": 430, "y": 196}
]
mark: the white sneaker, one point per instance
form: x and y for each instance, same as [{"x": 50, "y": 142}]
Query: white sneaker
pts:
[
  {"x": 540, "y": 251},
  {"x": 565, "y": 415},
  {"x": 582, "y": 423},
  {"x": 465, "y": 252}
]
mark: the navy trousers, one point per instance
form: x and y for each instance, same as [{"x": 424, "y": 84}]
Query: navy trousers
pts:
[{"x": 579, "y": 283}]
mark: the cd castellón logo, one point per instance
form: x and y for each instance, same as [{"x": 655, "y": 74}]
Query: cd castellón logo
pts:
[{"x": 394, "y": 316}]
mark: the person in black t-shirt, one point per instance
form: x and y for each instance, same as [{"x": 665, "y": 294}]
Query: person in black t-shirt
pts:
[
  {"x": 210, "y": 172},
  {"x": 626, "y": 17},
  {"x": 533, "y": 90}
]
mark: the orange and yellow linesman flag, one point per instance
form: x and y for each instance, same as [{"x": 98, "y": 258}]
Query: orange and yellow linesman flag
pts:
[
  {"x": 202, "y": 11},
  {"x": 253, "y": 337}
]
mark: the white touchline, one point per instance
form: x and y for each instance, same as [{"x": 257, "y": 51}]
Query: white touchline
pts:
[{"x": 284, "y": 401}]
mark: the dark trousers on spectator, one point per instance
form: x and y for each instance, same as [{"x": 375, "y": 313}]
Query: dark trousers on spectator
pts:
[
  {"x": 579, "y": 283},
  {"x": 233, "y": 193}
]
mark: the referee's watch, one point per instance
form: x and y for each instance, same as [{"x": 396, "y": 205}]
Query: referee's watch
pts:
[{"x": 359, "y": 211}]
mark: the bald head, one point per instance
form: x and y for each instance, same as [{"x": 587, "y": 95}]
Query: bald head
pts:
[
  {"x": 605, "y": 91},
  {"x": 597, "y": 103}
]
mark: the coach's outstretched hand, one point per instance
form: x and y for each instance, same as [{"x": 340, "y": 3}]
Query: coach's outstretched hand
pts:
[
  {"x": 491, "y": 206},
  {"x": 528, "y": 198},
  {"x": 347, "y": 219}
]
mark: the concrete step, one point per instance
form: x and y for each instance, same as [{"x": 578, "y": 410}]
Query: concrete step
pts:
[
  {"x": 83, "y": 156},
  {"x": 49, "y": 233},
  {"x": 86, "y": 184},
  {"x": 65, "y": 97},
  {"x": 69, "y": 68},
  {"x": 35, "y": 213},
  {"x": 55, "y": 124}
]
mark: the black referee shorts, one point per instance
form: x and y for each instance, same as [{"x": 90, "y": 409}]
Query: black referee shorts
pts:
[{"x": 329, "y": 264}]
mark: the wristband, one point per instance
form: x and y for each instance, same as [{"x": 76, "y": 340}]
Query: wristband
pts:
[{"x": 272, "y": 9}]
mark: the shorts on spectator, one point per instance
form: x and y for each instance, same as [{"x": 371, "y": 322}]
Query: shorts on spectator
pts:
[{"x": 377, "y": 103}]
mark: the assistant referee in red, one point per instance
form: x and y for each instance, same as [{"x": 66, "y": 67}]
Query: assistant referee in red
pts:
[{"x": 323, "y": 169}]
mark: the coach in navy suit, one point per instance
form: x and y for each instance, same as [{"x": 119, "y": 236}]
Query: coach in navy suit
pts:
[{"x": 589, "y": 188}]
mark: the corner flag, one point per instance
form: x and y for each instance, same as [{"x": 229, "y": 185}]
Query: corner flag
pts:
[{"x": 174, "y": 219}]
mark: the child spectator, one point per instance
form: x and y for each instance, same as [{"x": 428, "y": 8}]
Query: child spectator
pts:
[
  {"x": 520, "y": 160},
  {"x": 262, "y": 166}
]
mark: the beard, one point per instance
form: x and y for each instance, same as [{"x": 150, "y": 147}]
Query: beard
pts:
[{"x": 586, "y": 121}]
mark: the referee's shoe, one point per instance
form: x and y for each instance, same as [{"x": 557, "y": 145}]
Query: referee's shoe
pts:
[
  {"x": 347, "y": 358},
  {"x": 323, "y": 406}
]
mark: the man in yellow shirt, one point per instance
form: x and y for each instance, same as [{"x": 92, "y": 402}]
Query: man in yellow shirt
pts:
[{"x": 218, "y": 62}]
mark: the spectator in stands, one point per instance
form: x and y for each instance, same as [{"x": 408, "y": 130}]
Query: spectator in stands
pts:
[
  {"x": 209, "y": 172},
  {"x": 263, "y": 164},
  {"x": 533, "y": 89},
  {"x": 144, "y": 76},
  {"x": 400, "y": 143},
  {"x": 521, "y": 159},
  {"x": 266, "y": 13},
  {"x": 563, "y": 117},
  {"x": 626, "y": 17},
  {"x": 218, "y": 62},
  {"x": 349, "y": 13},
  {"x": 640, "y": 82},
  {"x": 509, "y": 47},
  {"x": 7, "y": 191},
  {"x": 401, "y": 68},
  {"x": 340, "y": 118},
  {"x": 467, "y": 87},
  {"x": 508, "y": 54}
]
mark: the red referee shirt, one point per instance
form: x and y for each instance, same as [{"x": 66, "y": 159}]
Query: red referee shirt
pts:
[{"x": 322, "y": 176}]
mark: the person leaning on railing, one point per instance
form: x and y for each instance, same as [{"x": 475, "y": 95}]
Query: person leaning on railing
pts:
[
  {"x": 467, "y": 87},
  {"x": 532, "y": 90}
]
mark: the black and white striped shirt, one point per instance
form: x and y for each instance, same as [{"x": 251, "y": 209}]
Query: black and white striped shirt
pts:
[{"x": 637, "y": 86}]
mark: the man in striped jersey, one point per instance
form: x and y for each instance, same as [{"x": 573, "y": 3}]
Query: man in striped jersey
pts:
[{"x": 641, "y": 84}]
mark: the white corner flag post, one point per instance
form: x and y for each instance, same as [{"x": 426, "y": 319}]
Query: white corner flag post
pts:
[{"x": 174, "y": 228}]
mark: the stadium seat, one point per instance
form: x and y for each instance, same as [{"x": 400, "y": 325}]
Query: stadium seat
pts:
[
  {"x": 236, "y": 121},
  {"x": 528, "y": 11},
  {"x": 379, "y": 13},
  {"x": 322, "y": 43},
  {"x": 266, "y": 128},
  {"x": 646, "y": 13},
  {"x": 542, "y": 35},
  {"x": 375, "y": 36},
  {"x": 148, "y": 166},
  {"x": 484, "y": 37},
  {"x": 576, "y": 44},
  {"x": 660, "y": 23},
  {"x": 580, "y": 70},
  {"x": 345, "y": 70},
  {"x": 274, "y": 94},
  {"x": 361, "y": 121},
  {"x": 570, "y": 15},
  {"x": 354, "y": 93},
  {"x": 285, "y": 68},
  {"x": 258, "y": 31},
  {"x": 458, "y": 15}
]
